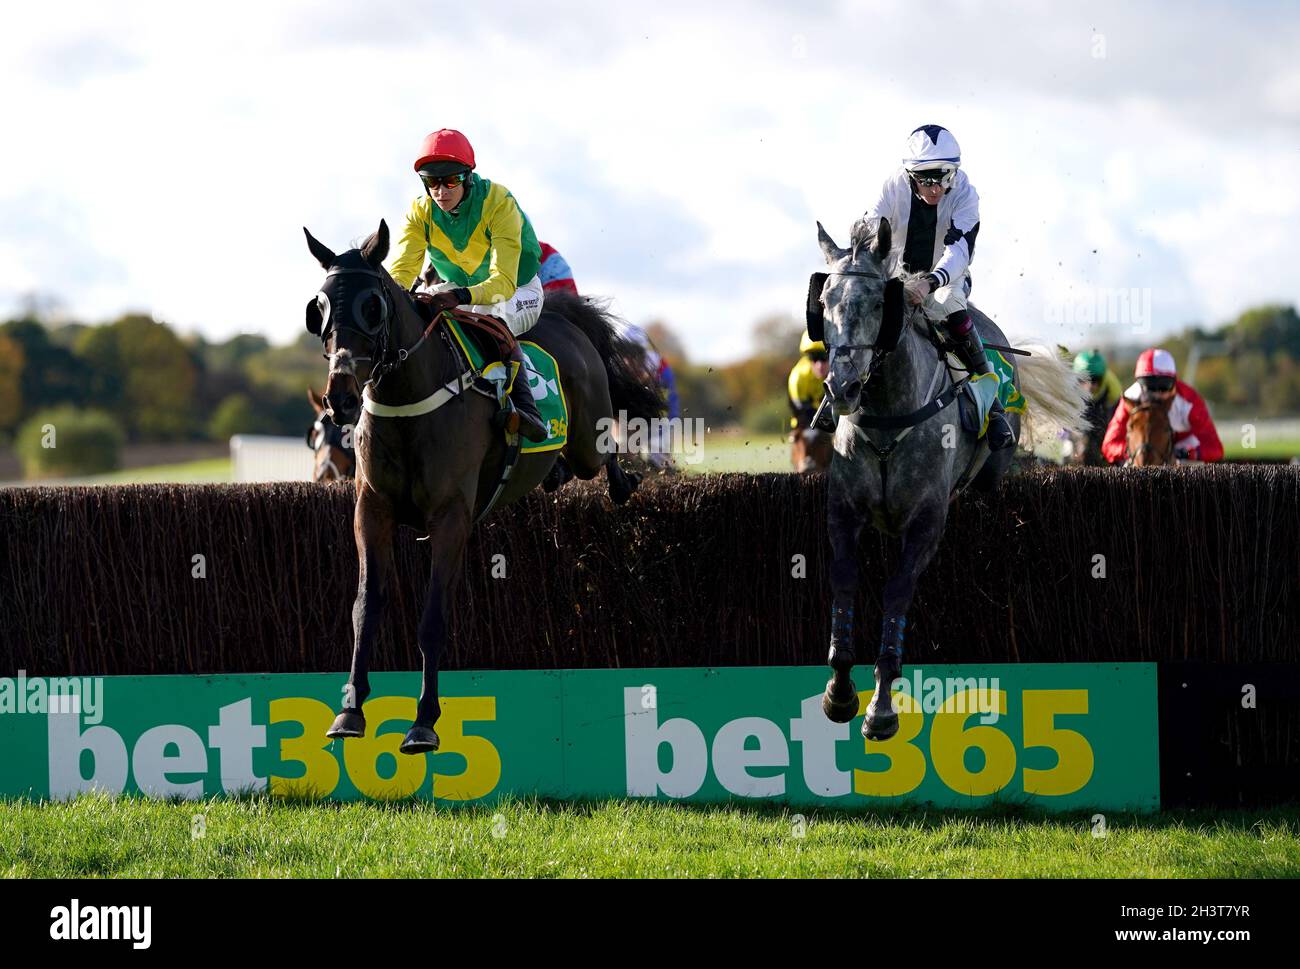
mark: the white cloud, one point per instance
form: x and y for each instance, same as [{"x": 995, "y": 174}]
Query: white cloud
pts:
[{"x": 678, "y": 157}]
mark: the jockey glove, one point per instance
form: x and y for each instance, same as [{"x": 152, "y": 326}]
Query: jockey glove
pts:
[{"x": 450, "y": 299}]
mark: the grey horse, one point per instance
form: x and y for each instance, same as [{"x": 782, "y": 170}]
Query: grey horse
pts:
[{"x": 900, "y": 450}]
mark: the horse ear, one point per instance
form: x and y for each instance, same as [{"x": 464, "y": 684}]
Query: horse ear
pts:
[
  {"x": 375, "y": 250},
  {"x": 884, "y": 237},
  {"x": 830, "y": 250},
  {"x": 322, "y": 252},
  {"x": 317, "y": 404}
]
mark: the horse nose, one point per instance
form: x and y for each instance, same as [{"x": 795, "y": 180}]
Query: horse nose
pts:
[
  {"x": 852, "y": 390},
  {"x": 342, "y": 403}
]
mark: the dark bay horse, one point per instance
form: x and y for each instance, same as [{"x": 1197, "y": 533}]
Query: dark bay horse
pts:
[
  {"x": 901, "y": 452},
  {"x": 428, "y": 456},
  {"x": 335, "y": 457},
  {"x": 1084, "y": 447}
]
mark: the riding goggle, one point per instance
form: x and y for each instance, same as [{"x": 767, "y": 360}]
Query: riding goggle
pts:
[
  {"x": 446, "y": 181},
  {"x": 1157, "y": 385},
  {"x": 930, "y": 178}
]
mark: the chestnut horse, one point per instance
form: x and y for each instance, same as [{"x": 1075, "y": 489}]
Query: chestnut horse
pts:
[
  {"x": 1150, "y": 437},
  {"x": 811, "y": 449}
]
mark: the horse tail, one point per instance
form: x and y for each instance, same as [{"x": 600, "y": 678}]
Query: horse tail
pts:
[
  {"x": 632, "y": 388},
  {"x": 1055, "y": 397}
]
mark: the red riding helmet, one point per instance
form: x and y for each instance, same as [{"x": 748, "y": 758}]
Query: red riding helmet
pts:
[
  {"x": 449, "y": 147},
  {"x": 1156, "y": 363}
]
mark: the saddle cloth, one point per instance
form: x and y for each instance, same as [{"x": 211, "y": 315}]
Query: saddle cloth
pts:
[
  {"x": 540, "y": 370},
  {"x": 978, "y": 394}
]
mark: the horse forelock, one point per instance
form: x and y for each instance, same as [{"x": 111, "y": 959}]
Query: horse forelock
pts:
[{"x": 343, "y": 361}]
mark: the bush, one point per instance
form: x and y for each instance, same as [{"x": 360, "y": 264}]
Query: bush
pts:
[
  {"x": 236, "y": 415},
  {"x": 83, "y": 442}
]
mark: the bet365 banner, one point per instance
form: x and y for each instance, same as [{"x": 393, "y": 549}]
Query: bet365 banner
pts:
[{"x": 1055, "y": 735}]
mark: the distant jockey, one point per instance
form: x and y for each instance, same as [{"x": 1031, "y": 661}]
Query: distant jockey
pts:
[
  {"x": 806, "y": 385},
  {"x": 1104, "y": 388},
  {"x": 555, "y": 273},
  {"x": 659, "y": 453},
  {"x": 1195, "y": 438},
  {"x": 933, "y": 211},
  {"x": 480, "y": 242}
]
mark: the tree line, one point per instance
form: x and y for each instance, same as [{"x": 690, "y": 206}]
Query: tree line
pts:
[{"x": 140, "y": 377}]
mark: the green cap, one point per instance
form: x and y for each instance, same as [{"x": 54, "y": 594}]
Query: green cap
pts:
[{"x": 1090, "y": 362}]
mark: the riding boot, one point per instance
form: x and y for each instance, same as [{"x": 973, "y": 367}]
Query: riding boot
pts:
[
  {"x": 529, "y": 419},
  {"x": 970, "y": 350}
]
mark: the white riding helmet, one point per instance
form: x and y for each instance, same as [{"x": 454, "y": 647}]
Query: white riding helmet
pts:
[{"x": 930, "y": 148}]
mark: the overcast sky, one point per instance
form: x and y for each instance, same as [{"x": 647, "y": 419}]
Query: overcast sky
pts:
[{"x": 164, "y": 157}]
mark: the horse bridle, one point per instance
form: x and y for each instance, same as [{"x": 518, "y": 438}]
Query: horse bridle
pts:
[
  {"x": 385, "y": 362},
  {"x": 880, "y": 351}
]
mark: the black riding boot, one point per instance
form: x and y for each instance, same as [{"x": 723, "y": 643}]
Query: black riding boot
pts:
[
  {"x": 521, "y": 400},
  {"x": 970, "y": 350}
]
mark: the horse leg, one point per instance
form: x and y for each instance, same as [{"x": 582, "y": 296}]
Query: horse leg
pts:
[
  {"x": 374, "y": 528},
  {"x": 621, "y": 483},
  {"x": 559, "y": 475},
  {"x": 840, "y": 701},
  {"x": 920, "y": 540},
  {"x": 447, "y": 535}
]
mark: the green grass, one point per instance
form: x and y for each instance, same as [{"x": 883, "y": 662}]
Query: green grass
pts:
[
  {"x": 755, "y": 453},
  {"x": 216, "y": 470},
  {"x": 262, "y": 837},
  {"x": 1282, "y": 448},
  {"x": 735, "y": 450}
]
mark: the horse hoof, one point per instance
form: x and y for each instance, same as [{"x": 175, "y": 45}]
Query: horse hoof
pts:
[
  {"x": 419, "y": 740},
  {"x": 839, "y": 708},
  {"x": 349, "y": 723},
  {"x": 879, "y": 724}
]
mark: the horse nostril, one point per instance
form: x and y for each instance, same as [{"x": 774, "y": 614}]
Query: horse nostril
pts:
[
  {"x": 341, "y": 403},
  {"x": 853, "y": 389}
]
